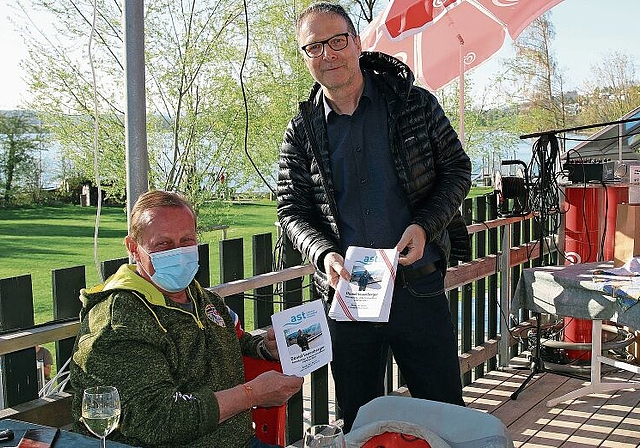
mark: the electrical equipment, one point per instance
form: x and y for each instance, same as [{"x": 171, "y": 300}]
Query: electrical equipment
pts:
[
  {"x": 587, "y": 171},
  {"x": 512, "y": 190}
]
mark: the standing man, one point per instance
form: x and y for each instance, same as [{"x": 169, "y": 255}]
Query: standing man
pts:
[{"x": 371, "y": 160}]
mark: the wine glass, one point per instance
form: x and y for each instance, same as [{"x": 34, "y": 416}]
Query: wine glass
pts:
[
  {"x": 324, "y": 436},
  {"x": 101, "y": 411}
]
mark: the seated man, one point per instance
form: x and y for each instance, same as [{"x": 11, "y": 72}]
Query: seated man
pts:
[
  {"x": 169, "y": 346},
  {"x": 44, "y": 356}
]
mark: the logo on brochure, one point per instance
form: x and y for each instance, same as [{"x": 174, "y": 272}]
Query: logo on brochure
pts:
[{"x": 301, "y": 316}]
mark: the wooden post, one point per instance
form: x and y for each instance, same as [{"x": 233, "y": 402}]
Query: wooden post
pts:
[
  {"x": 232, "y": 268},
  {"x": 481, "y": 284},
  {"x": 67, "y": 283},
  {"x": 203, "y": 276},
  {"x": 494, "y": 310},
  {"x": 262, "y": 263},
  {"x": 19, "y": 371}
]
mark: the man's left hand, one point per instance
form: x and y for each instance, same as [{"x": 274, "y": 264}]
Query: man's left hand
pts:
[
  {"x": 270, "y": 343},
  {"x": 413, "y": 240}
]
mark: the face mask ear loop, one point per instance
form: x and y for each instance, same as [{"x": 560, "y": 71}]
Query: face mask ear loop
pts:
[{"x": 140, "y": 264}]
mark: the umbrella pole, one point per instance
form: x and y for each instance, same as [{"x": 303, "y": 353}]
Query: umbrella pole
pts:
[{"x": 461, "y": 90}]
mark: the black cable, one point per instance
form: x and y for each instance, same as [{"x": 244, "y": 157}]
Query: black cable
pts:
[
  {"x": 600, "y": 139},
  {"x": 244, "y": 99}
]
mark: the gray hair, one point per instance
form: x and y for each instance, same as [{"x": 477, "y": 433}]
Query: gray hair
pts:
[{"x": 325, "y": 8}]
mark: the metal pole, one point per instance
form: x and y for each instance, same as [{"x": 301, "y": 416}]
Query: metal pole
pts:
[
  {"x": 461, "y": 90},
  {"x": 505, "y": 297},
  {"x": 137, "y": 157}
]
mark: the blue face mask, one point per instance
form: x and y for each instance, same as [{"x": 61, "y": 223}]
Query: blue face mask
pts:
[{"x": 175, "y": 268}]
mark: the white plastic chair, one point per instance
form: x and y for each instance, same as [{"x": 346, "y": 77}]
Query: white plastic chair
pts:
[
  {"x": 458, "y": 426},
  {"x": 57, "y": 383}
]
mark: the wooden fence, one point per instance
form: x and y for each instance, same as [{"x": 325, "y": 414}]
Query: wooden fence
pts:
[{"x": 479, "y": 294}]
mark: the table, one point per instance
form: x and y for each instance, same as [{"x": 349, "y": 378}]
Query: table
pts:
[
  {"x": 65, "y": 439},
  {"x": 570, "y": 291}
]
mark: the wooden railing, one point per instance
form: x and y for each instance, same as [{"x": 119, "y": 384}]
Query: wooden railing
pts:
[{"x": 479, "y": 294}]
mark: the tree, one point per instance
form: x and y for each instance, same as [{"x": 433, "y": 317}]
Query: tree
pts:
[
  {"x": 533, "y": 71},
  {"x": 611, "y": 91},
  {"x": 489, "y": 134},
  {"x": 20, "y": 137},
  {"x": 366, "y": 9},
  {"x": 200, "y": 88}
]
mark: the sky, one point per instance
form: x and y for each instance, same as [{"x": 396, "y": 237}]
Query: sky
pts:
[{"x": 586, "y": 30}]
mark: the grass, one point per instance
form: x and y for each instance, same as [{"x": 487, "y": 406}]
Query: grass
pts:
[{"x": 37, "y": 240}]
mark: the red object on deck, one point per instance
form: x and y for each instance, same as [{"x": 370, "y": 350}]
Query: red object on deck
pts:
[
  {"x": 395, "y": 440},
  {"x": 271, "y": 422},
  {"x": 592, "y": 212}
]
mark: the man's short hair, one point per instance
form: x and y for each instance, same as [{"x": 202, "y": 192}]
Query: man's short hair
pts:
[
  {"x": 325, "y": 8},
  {"x": 150, "y": 200}
]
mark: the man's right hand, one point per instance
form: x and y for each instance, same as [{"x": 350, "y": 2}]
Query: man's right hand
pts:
[{"x": 334, "y": 268}]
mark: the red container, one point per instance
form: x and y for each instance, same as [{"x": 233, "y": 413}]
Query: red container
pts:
[
  {"x": 581, "y": 225},
  {"x": 591, "y": 213},
  {"x": 577, "y": 331}
]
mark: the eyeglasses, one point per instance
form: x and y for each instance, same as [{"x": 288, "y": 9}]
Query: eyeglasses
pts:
[{"x": 336, "y": 43}]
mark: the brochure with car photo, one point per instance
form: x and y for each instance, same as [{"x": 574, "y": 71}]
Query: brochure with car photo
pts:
[{"x": 302, "y": 334}]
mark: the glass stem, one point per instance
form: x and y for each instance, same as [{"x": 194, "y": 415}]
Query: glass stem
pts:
[{"x": 104, "y": 442}]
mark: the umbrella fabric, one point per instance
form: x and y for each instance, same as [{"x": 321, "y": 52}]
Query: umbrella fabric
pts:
[{"x": 436, "y": 38}]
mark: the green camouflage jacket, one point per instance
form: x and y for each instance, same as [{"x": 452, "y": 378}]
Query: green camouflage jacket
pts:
[{"x": 165, "y": 362}]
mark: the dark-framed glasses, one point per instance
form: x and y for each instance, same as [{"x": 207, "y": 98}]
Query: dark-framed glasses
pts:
[{"x": 336, "y": 43}]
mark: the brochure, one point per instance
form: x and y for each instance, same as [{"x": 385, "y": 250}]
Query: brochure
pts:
[
  {"x": 367, "y": 296},
  {"x": 302, "y": 334}
]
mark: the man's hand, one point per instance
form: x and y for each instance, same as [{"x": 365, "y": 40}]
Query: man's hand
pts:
[
  {"x": 270, "y": 343},
  {"x": 334, "y": 268},
  {"x": 273, "y": 388},
  {"x": 413, "y": 240}
]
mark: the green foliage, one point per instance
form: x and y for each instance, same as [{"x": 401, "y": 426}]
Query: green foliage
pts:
[
  {"x": 21, "y": 135},
  {"x": 211, "y": 110},
  {"x": 611, "y": 92},
  {"x": 489, "y": 134},
  {"x": 538, "y": 82}
]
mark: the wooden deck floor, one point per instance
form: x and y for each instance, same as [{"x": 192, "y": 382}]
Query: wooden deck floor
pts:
[{"x": 599, "y": 420}]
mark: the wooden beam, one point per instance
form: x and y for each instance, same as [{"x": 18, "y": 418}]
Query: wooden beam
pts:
[
  {"x": 50, "y": 411},
  {"x": 478, "y": 355},
  {"x": 483, "y": 267},
  {"x": 258, "y": 281},
  {"x": 21, "y": 339}
]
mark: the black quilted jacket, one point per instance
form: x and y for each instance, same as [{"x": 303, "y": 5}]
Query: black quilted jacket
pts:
[{"x": 431, "y": 165}]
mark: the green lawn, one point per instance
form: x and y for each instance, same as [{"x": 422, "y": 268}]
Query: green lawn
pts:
[{"x": 37, "y": 240}]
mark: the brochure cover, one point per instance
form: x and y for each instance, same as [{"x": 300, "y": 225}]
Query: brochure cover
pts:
[
  {"x": 302, "y": 334},
  {"x": 367, "y": 296}
]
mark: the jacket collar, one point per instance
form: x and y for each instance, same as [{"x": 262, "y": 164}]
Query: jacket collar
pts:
[{"x": 396, "y": 75}]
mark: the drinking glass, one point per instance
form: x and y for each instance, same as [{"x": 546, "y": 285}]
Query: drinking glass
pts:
[
  {"x": 324, "y": 436},
  {"x": 101, "y": 411}
]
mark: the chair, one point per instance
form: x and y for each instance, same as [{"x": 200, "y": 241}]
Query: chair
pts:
[
  {"x": 270, "y": 423},
  {"x": 58, "y": 383},
  {"x": 457, "y": 426}
]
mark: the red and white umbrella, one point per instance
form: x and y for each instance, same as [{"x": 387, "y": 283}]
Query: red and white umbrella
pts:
[{"x": 441, "y": 39}]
